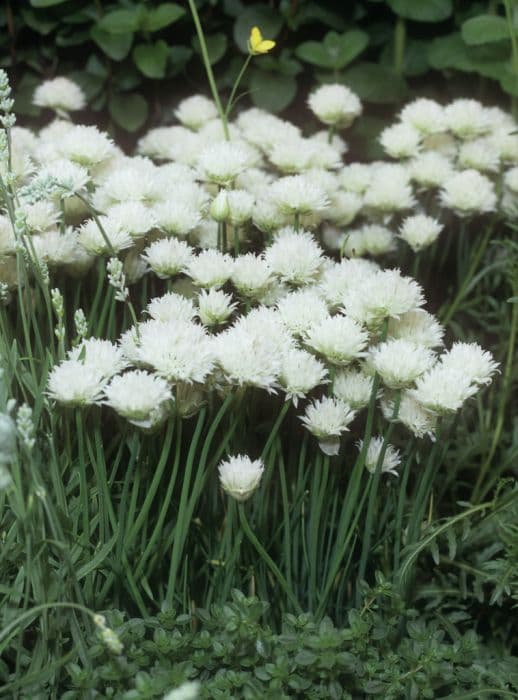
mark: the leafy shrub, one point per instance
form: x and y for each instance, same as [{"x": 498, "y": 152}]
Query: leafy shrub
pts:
[
  {"x": 385, "y": 651},
  {"x": 128, "y": 55}
]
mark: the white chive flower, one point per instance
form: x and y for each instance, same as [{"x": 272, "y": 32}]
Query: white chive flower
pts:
[
  {"x": 354, "y": 387},
  {"x": 171, "y": 307},
  {"x": 267, "y": 217},
  {"x": 335, "y": 105},
  {"x": 60, "y": 94},
  {"x": 215, "y": 307},
  {"x": 476, "y": 363},
  {"x": 425, "y": 115},
  {"x": 338, "y": 338},
  {"x": 371, "y": 239},
  {"x": 251, "y": 275},
  {"x": 133, "y": 217},
  {"x": 300, "y": 373},
  {"x": 297, "y": 194},
  {"x": 73, "y": 383},
  {"x": 167, "y": 257},
  {"x": 443, "y": 389},
  {"x": 391, "y": 458},
  {"x": 400, "y": 362},
  {"x": 179, "y": 351},
  {"x": 327, "y": 419},
  {"x": 417, "y": 326},
  {"x": 142, "y": 398},
  {"x": 479, "y": 154},
  {"x": 294, "y": 256},
  {"x": 337, "y": 278},
  {"x": 420, "y": 231},
  {"x": 240, "y": 204},
  {"x": 400, "y": 140},
  {"x": 430, "y": 169},
  {"x": 61, "y": 249},
  {"x": 86, "y": 145},
  {"x": 412, "y": 415},
  {"x": 195, "y": 111},
  {"x": 468, "y": 193},
  {"x": 467, "y": 119},
  {"x": 246, "y": 358},
  {"x": 356, "y": 177},
  {"x": 92, "y": 240},
  {"x": 390, "y": 189},
  {"x": 344, "y": 207},
  {"x": 69, "y": 177},
  {"x": 100, "y": 354},
  {"x": 222, "y": 162},
  {"x": 302, "y": 309},
  {"x": 383, "y": 294},
  {"x": 176, "y": 218},
  {"x": 41, "y": 216},
  {"x": 239, "y": 476},
  {"x": 210, "y": 268}
]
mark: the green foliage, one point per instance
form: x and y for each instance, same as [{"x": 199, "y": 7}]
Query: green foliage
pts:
[
  {"x": 377, "y": 48},
  {"x": 384, "y": 651}
]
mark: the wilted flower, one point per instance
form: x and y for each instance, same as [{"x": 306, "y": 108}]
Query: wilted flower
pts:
[{"x": 391, "y": 458}]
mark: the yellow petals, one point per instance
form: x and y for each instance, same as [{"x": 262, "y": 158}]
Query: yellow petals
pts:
[{"x": 257, "y": 45}]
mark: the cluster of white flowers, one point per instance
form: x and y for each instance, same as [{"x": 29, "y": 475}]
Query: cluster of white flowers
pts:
[
  {"x": 188, "y": 189},
  {"x": 264, "y": 242}
]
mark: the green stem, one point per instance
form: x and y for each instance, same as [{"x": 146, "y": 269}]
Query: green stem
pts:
[
  {"x": 267, "y": 559},
  {"x": 399, "y": 45},
  {"x": 208, "y": 68},
  {"x": 230, "y": 102},
  {"x": 502, "y": 405},
  {"x": 157, "y": 530},
  {"x": 398, "y": 530},
  {"x": 181, "y": 526},
  {"x": 95, "y": 217},
  {"x": 375, "y": 479},
  {"x": 475, "y": 260},
  {"x": 153, "y": 488}
]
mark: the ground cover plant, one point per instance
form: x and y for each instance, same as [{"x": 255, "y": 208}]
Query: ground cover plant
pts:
[{"x": 250, "y": 446}]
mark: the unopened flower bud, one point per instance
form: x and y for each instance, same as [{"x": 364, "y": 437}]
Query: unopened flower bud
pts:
[{"x": 220, "y": 209}]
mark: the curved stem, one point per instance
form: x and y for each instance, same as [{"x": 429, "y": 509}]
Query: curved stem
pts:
[
  {"x": 208, "y": 68},
  {"x": 448, "y": 315},
  {"x": 229, "y": 106},
  {"x": 267, "y": 559}
]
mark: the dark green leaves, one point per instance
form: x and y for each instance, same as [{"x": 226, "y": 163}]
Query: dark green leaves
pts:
[
  {"x": 484, "y": 29},
  {"x": 46, "y": 3},
  {"x": 116, "y": 46},
  {"x": 336, "y": 50},
  {"x": 216, "y": 46},
  {"x": 140, "y": 18},
  {"x": 272, "y": 91},
  {"x": 128, "y": 111},
  {"x": 375, "y": 83},
  {"x": 422, "y": 10},
  {"x": 151, "y": 59},
  {"x": 120, "y": 21},
  {"x": 162, "y": 16}
]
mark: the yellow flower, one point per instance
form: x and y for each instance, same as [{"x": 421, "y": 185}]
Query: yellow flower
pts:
[{"x": 258, "y": 45}]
